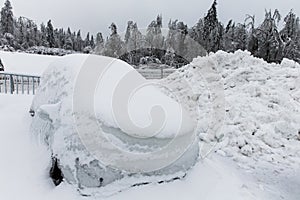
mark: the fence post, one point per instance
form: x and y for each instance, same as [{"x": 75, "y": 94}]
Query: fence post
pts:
[
  {"x": 28, "y": 82},
  {"x": 5, "y": 86},
  {"x": 12, "y": 85},
  {"x": 22, "y": 84},
  {"x": 33, "y": 86},
  {"x": 17, "y": 83}
]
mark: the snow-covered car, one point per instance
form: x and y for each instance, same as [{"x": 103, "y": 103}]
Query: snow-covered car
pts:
[{"x": 53, "y": 123}]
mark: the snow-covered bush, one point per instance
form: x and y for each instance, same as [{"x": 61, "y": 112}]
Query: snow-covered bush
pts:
[
  {"x": 48, "y": 51},
  {"x": 7, "y": 48}
]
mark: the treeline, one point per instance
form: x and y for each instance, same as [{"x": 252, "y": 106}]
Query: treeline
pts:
[
  {"x": 266, "y": 40},
  {"x": 175, "y": 48},
  {"x": 25, "y": 35}
]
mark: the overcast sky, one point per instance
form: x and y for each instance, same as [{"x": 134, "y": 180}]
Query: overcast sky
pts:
[{"x": 97, "y": 15}]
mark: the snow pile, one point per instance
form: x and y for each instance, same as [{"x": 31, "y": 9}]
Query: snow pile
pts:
[
  {"x": 23, "y": 63},
  {"x": 54, "y": 125},
  {"x": 262, "y": 107}
]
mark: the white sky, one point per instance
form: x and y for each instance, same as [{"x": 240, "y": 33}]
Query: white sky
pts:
[{"x": 97, "y": 15}]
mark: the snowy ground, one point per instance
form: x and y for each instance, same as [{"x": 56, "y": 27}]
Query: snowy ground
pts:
[
  {"x": 23, "y": 63},
  {"x": 24, "y": 165},
  {"x": 24, "y": 168}
]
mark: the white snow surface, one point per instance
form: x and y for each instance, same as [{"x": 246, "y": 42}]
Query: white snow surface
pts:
[
  {"x": 257, "y": 153},
  {"x": 23, "y": 63},
  {"x": 25, "y": 166},
  {"x": 262, "y": 108}
]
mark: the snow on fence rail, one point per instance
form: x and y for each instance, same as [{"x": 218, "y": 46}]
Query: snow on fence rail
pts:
[{"x": 11, "y": 83}]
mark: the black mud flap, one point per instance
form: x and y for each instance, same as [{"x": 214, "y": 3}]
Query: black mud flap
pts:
[{"x": 55, "y": 172}]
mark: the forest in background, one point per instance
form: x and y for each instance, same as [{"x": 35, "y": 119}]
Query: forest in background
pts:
[{"x": 181, "y": 43}]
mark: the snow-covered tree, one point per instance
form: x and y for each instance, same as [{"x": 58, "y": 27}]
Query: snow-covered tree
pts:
[
  {"x": 50, "y": 34},
  {"x": 114, "y": 46},
  {"x": 252, "y": 41},
  {"x": 43, "y": 38},
  {"x": 176, "y": 37},
  {"x": 133, "y": 37},
  {"x": 235, "y": 37},
  {"x": 197, "y": 32},
  {"x": 291, "y": 37},
  {"x": 291, "y": 26},
  {"x": 87, "y": 40},
  {"x": 154, "y": 37},
  {"x": 92, "y": 42},
  {"x": 69, "y": 42},
  {"x": 7, "y": 19},
  {"x": 229, "y": 37},
  {"x": 241, "y": 36},
  {"x": 99, "y": 46},
  {"x": 78, "y": 42},
  {"x": 212, "y": 30},
  {"x": 21, "y": 34},
  {"x": 270, "y": 43}
]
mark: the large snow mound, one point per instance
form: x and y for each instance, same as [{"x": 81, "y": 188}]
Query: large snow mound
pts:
[{"x": 262, "y": 107}]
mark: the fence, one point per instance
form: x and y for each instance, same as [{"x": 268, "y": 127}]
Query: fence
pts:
[
  {"x": 18, "y": 83},
  {"x": 11, "y": 83},
  {"x": 155, "y": 73}
]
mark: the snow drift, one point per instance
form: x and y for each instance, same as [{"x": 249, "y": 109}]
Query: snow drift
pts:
[{"x": 262, "y": 108}]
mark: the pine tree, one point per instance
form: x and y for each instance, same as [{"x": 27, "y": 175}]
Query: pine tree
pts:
[
  {"x": 92, "y": 42},
  {"x": 99, "y": 44},
  {"x": 44, "y": 40},
  {"x": 212, "y": 30},
  {"x": 21, "y": 33},
  {"x": 50, "y": 34},
  {"x": 7, "y": 19},
  {"x": 57, "y": 38},
  {"x": 99, "y": 39},
  {"x": 87, "y": 40},
  {"x": 69, "y": 42},
  {"x": 78, "y": 43}
]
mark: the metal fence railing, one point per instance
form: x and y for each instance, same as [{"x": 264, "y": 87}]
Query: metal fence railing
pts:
[
  {"x": 11, "y": 83},
  {"x": 155, "y": 73}
]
